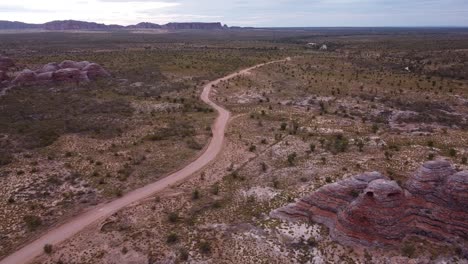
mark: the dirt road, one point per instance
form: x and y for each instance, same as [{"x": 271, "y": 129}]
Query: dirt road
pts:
[{"x": 100, "y": 212}]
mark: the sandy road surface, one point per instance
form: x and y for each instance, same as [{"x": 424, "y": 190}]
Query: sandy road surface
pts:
[{"x": 78, "y": 223}]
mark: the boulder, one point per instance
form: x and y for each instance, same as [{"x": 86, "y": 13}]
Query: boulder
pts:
[
  {"x": 45, "y": 77},
  {"x": 49, "y": 67},
  {"x": 96, "y": 71},
  {"x": 371, "y": 210},
  {"x": 25, "y": 77},
  {"x": 6, "y": 63}
]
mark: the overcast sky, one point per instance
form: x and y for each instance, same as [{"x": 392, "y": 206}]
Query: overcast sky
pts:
[{"x": 264, "y": 13}]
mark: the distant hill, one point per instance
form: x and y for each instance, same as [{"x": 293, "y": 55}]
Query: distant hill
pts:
[
  {"x": 61, "y": 25},
  {"x": 18, "y": 25}
]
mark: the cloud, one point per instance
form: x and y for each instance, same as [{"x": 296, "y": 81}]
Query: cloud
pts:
[{"x": 247, "y": 12}]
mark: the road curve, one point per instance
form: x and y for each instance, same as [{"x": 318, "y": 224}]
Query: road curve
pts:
[{"x": 78, "y": 223}]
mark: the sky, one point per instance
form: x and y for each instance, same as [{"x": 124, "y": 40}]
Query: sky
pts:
[{"x": 259, "y": 13}]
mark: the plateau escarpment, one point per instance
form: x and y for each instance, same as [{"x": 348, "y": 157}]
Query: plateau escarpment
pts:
[{"x": 372, "y": 210}]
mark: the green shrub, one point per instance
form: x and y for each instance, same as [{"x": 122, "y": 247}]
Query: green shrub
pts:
[
  {"x": 205, "y": 247},
  {"x": 173, "y": 217},
  {"x": 32, "y": 222},
  {"x": 172, "y": 238},
  {"x": 48, "y": 249}
]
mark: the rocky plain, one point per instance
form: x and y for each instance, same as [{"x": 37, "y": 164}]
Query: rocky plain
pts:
[{"x": 353, "y": 153}]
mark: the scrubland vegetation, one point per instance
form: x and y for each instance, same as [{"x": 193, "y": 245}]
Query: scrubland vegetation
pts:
[{"x": 371, "y": 102}]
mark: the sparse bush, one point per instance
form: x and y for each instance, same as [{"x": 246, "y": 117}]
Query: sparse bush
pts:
[
  {"x": 215, "y": 189},
  {"x": 354, "y": 193},
  {"x": 252, "y": 148},
  {"x": 48, "y": 249},
  {"x": 183, "y": 255},
  {"x": 408, "y": 250},
  {"x": 205, "y": 247},
  {"x": 196, "y": 194},
  {"x": 375, "y": 128},
  {"x": 172, "y": 238},
  {"x": 452, "y": 152},
  {"x": 283, "y": 126},
  {"x": 311, "y": 242},
  {"x": 312, "y": 147},
  {"x": 173, "y": 217},
  {"x": 291, "y": 158},
  {"x": 32, "y": 222}
]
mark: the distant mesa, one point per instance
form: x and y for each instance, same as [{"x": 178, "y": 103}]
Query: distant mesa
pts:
[
  {"x": 70, "y": 25},
  {"x": 372, "y": 210},
  {"x": 66, "y": 71}
]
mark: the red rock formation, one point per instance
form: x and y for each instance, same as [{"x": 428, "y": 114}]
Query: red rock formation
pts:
[
  {"x": 67, "y": 75},
  {"x": 49, "y": 67},
  {"x": 96, "y": 71},
  {"x": 371, "y": 210},
  {"x": 69, "y": 64},
  {"x": 66, "y": 71},
  {"x": 25, "y": 77}
]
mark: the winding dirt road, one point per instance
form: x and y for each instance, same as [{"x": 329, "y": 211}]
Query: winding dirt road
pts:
[{"x": 102, "y": 211}]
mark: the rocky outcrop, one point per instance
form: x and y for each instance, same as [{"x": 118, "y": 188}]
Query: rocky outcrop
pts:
[
  {"x": 25, "y": 76},
  {"x": 66, "y": 71},
  {"x": 95, "y": 71},
  {"x": 372, "y": 210}
]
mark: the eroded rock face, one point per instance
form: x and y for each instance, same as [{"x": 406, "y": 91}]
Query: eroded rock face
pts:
[{"x": 372, "y": 210}]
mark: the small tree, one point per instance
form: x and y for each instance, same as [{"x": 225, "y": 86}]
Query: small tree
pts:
[
  {"x": 173, "y": 217},
  {"x": 172, "y": 238},
  {"x": 291, "y": 158},
  {"x": 48, "y": 249},
  {"x": 196, "y": 194}
]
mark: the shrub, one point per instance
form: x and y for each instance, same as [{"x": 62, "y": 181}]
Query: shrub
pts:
[
  {"x": 215, "y": 189},
  {"x": 205, "y": 247},
  {"x": 312, "y": 147},
  {"x": 252, "y": 148},
  {"x": 283, "y": 126},
  {"x": 183, "y": 255},
  {"x": 291, "y": 158},
  {"x": 173, "y": 217},
  {"x": 32, "y": 222},
  {"x": 311, "y": 242},
  {"x": 354, "y": 193},
  {"x": 408, "y": 250},
  {"x": 196, "y": 194},
  {"x": 452, "y": 152},
  {"x": 172, "y": 238},
  {"x": 48, "y": 249}
]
